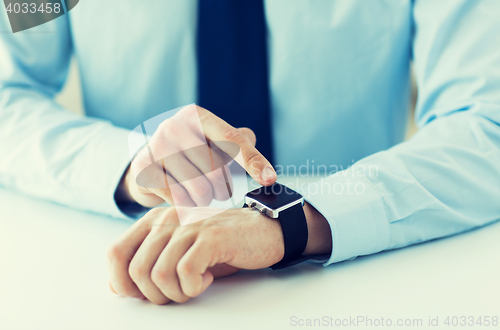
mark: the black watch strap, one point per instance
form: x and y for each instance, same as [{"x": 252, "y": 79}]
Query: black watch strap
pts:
[{"x": 294, "y": 225}]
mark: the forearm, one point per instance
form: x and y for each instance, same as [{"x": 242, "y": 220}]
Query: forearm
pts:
[
  {"x": 442, "y": 182},
  {"x": 47, "y": 152}
]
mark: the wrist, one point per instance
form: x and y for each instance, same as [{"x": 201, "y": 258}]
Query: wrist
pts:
[
  {"x": 271, "y": 232},
  {"x": 305, "y": 231},
  {"x": 122, "y": 193}
]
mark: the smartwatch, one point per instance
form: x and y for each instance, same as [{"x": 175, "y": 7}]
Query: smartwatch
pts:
[{"x": 286, "y": 205}]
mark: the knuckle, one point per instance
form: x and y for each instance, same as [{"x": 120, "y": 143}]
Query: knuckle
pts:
[
  {"x": 199, "y": 109},
  {"x": 184, "y": 269},
  {"x": 137, "y": 271},
  {"x": 163, "y": 218},
  {"x": 171, "y": 127},
  {"x": 151, "y": 214},
  {"x": 249, "y": 134},
  {"x": 159, "y": 227},
  {"x": 203, "y": 188},
  {"x": 159, "y": 222},
  {"x": 157, "y": 212},
  {"x": 114, "y": 252},
  {"x": 166, "y": 124},
  {"x": 145, "y": 222},
  {"x": 167, "y": 214},
  {"x": 208, "y": 240},
  {"x": 202, "y": 112},
  {"x": 211, "y": 242},
  {"x": 233, "y": 135},
  {"x": 167, "y": 284},
  {"x": 141, "y": 160},
  {"x": 188, "y": 115},
  {"x": 184, "y": 112},
  {"x": 181, "y": 234},
  {"x": 159, "y": 277}
]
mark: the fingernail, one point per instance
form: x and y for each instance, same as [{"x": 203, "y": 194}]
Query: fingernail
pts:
[{"x": 268, "y": 173}]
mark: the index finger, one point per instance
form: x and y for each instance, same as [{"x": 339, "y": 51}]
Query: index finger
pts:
[
  {"x": 252, "y": 160},
  {"x": 120, "y": 254}
]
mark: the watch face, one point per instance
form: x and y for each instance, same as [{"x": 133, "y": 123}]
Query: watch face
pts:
[{"x": 275, "y": 196}]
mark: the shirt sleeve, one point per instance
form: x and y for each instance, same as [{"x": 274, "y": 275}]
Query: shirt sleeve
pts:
[
  {"x": 46, "y": 151},
  {"x": 446, "y": 179}
]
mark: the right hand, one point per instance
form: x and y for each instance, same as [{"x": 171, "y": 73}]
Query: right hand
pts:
[{"x": 188, "y": 178}]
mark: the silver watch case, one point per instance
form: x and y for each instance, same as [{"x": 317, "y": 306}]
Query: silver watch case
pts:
[{"x": 266, "y": 210}]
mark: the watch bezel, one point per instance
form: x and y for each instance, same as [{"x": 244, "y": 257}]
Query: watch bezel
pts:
[{"x": 266, "y": 210}]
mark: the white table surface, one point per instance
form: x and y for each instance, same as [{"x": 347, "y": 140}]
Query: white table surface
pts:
[{"x": 53, "y": 275}]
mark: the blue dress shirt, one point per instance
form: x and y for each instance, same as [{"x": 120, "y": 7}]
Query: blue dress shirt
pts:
[{"x": 339, "y": 80}]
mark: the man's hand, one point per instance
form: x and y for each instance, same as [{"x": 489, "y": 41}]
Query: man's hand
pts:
[
  {"x": 180, "y": 161},
  {"x": 163, "y": 261}
]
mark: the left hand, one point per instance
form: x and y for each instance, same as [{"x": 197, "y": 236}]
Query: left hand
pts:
[{"x": 162, "y": 261}]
